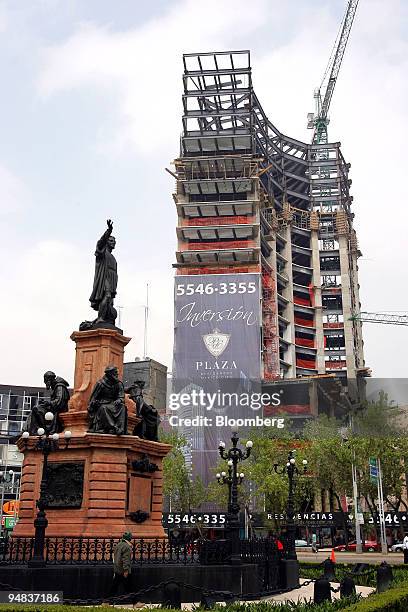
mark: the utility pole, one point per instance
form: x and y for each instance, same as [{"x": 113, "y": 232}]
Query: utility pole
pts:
[
  {"x": 384, "y": 548},
  {"x": 17, "y": 493},
  {"x": 357, "y": 513},
  {"x": 146, "y": 317},
  {"x": 120, "y": 308},
  {"x": 4, "y": 480}
]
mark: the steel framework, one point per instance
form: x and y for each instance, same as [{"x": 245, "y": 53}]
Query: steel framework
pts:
[{"x": 251, "y": 199}]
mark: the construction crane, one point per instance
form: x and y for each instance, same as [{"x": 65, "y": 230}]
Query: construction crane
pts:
[
  {"x": 319, "y": 120},
  {"x": 386, "y": 318}
]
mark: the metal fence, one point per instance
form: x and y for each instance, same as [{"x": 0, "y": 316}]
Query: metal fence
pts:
[{"x": 99, "y": 551}]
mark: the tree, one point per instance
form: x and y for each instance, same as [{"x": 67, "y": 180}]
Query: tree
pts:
[
  {"x": 330, "y": 461},
  {"x": 377, "y": 432},
  {"x": 271, "y": 489},
  {"x": 373, "y": 431},
  {"x": 183, "y": 492}
]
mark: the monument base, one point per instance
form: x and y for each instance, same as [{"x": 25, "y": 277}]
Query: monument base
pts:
[
  {"x": 93, "y": 581},
  {"x": 100, "y": 485}
]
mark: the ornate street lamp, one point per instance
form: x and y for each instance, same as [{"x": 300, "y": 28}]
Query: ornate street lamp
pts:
[
  {"x": 46, "y": 443},
  {"x": 224, "y": 479},
  {"x": 291, "y": 470},
  {"x": 233, "y": 456}
]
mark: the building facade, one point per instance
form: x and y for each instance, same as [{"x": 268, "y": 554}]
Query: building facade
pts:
[
  {"x": 15, "y": 406},
  {"x": 154, "y": 375},
  {"x": 251, "y": 200}
]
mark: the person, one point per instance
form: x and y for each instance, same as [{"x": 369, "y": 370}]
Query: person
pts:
[
  {"x": 314, "y": 542},
  {"x": 279, "y": 544},
  {"x": 405, "y": 548},
  {"x": 57, "y": 403},
  {"x": 105, "y": 279},
  {"x": 107, "y": 410},
  {"x": 122, "y": 565}
]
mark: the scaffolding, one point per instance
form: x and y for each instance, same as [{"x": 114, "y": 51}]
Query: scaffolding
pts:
[{"x": 288, "y": 207}]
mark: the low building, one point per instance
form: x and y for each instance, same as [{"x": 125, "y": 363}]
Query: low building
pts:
[
  {"x": 154, "y": 375},
  {"x": 15, "y": 406}
]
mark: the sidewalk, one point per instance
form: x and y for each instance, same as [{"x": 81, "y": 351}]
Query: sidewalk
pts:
[
  {"x": 306, "y": 593},
  {"x": 301, "y": 594}
]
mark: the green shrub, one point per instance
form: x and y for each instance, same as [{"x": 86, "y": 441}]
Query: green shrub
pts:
[
  {"x": 265, "y": 606},
  {"x": 235, "y": 607},
  {"x": 312, "y": 570},
  {"x": 394, "y": 600},
  {"x": 32, "y": 607}
]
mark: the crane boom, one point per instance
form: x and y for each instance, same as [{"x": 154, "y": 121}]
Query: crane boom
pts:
[
  {"x": 319, "y": 120},
  {"x": 338, "y": 57},
  {"x": 385, "y": 318}
]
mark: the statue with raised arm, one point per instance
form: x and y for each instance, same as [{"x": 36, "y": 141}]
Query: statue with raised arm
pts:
[{"x": 105, "y": 282}]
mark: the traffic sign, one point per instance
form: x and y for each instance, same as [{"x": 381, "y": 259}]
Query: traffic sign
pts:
[
  {"x": 373, "y": 467},
  {"x": 9, "y": 522}
]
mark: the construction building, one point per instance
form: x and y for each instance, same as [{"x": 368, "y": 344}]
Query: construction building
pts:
[{"x": 251, "y": 200}]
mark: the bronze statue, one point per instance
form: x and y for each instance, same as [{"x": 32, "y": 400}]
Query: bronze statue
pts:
[
  {"x": 150, "y": 419},
  {"x": 105, "y": 283},
  {"x": 57, "y": 403},
  {"x": 135, "y": 392},
  {"x": 106, "y": 409}
]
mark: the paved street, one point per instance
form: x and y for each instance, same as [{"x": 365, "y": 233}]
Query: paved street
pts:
[{"x": 351, "y": 557}]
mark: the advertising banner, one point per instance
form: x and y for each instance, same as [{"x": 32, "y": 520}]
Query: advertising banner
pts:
[
  {"x": 217, "y": 326},
  {"x": 217, "y": 359}
]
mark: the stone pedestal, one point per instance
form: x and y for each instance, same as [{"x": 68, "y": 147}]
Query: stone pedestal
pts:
[
  {"x": 96, "y": 488},
  {"x": 112, "y": 490},
  {"x": 95, "y": 349}
]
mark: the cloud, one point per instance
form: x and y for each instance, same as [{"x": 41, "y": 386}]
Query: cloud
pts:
[
  {"x": 369, "y": 117},
  {"x": 132, "y": 294},
  {"x": 3, "y": 17},
  {"x": 139, "y": 72},
  {"x": 143, "y": 65},
  {"x": 48, "y": 287},
  {"x": 45, "y": 298},
  {"x": 13, "y": 193}
]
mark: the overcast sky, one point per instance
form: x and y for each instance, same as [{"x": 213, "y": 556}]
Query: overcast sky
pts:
[{"x": 91, "y": 115}]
